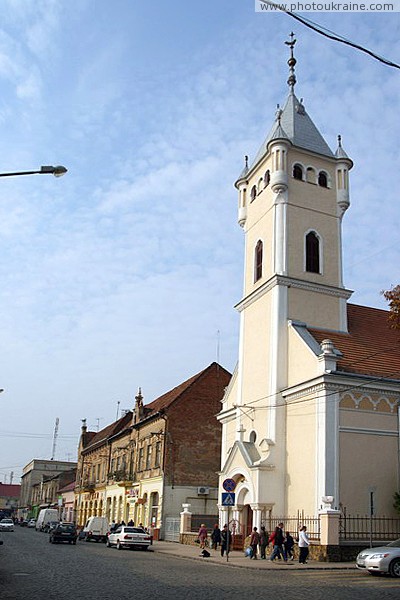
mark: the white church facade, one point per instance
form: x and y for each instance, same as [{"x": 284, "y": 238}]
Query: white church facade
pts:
[{"x": 310, "y": 418}]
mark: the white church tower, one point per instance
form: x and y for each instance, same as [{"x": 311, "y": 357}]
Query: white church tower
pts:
[{"x": 292, "y": 198}]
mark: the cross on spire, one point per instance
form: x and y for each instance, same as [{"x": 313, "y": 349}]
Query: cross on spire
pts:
[{"x": 291, "y": 62}]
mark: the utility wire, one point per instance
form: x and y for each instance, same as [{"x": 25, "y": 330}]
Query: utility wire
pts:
[
  {"x": 346, "y": 389},
  {"x": 330, "y": 34}
]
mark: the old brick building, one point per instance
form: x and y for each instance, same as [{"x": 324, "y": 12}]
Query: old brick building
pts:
[{"x": 156, "y": 457}]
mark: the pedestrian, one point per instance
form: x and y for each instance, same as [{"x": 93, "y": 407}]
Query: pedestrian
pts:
[
  {"x": 123, "y": 523},
  {"x": 254, "y": 541},
  {"x": 113, "y": 526},
  {"x": 226, "y": 539},
  {"x": 202, "y": 535},
  {"x": 278, "y": 540},
  {"x": 215, "y": 537},
  {"x": 263, "y": 542},
  {"x": 131, "y": 523},
  {"x": 304, "y": 543},
  {"x": 288, "y": 546}
]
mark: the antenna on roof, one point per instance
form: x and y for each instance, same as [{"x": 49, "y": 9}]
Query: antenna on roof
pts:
[
  {"x": 218, "y": 344},
  {"x": 53, "y": 452},
  {"x": 118, "y": 403}
]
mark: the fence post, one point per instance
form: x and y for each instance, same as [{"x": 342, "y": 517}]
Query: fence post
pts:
[
  {"x": 186, "y": 520},
  {"x": 329, "y": 534}
]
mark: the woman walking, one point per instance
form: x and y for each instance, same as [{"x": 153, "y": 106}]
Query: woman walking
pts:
[{"x": 304, "y": 543}]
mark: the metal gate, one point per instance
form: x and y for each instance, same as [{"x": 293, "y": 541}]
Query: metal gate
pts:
[{"x": 172, "y": 527}]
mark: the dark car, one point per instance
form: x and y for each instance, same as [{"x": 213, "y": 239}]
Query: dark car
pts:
[
  {"x": 63, "y": 533},
  {"x": 50, "y": 526}
]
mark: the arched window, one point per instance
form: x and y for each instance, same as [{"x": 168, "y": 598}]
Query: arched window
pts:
[
  {"x": 267, "y": 178},
  {"x": 312, "y": 253},
  {"x": 253, "y": 193},
  {"x": 322, "y": 179},
  {"x": 253, "y": 436},
  {"x": 258, "y": 259},
  {"x": 260, "y": 186},
  {"x": 298, "y": 172}
]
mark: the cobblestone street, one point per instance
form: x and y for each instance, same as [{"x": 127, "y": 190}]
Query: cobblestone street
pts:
[{"x": 31, "y": 568}]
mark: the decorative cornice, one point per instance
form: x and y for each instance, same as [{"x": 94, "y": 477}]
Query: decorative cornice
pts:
[
  {"x": 284, "y": 280},
  {"x": 365, "y": 430}
]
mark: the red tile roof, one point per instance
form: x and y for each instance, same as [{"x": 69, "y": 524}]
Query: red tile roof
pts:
[
  {"x": 155, "y": 406},
  {"x": 169, "y": 397},
  {"x": 112, "y": 429},
  {"x": 9, "y": 490},
  {"x": 371, "y": 347},
  {"x": 68, "y": 488}
]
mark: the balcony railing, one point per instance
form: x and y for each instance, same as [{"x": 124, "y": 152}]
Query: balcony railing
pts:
[
  {"x": 121, "y": 475},
  {"x": 88, "y": 485}
]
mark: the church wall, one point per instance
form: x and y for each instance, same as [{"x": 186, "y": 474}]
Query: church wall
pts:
[
  {"x": 256, "y": 351},
  {"x": 301, "y": 360},
  {"x": 300, "y": 222},
  {"x": 261, "y": 229},
  {"x": 373, "y": 470},
  {"x": 305, "y": 305},
  {"x": 300, "y": 457},
  {"x": 369, "y": 433}
]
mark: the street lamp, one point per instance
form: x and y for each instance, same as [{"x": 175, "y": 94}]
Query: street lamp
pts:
[{"x": 46, "y": 169}]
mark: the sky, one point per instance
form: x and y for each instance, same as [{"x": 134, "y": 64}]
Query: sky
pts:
[{"x": 124, "y": 272}]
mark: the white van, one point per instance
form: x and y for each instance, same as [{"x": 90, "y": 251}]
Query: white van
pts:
[
  {"x": 96, "y": 528},
  {"x": 46, "y": 515}
]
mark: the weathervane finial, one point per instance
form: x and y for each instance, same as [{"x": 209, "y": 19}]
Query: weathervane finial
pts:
[{"x": 291, "y": 62}]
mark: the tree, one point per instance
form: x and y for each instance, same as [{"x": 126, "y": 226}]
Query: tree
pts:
[{"x": 393, "y": 298}]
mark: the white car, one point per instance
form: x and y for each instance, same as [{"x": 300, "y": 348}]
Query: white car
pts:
[
  {"x": 383, "y": 559},
  {"x": 31, "y": 523},
  {"x": 6, "y": 525},
  {"x": 129, "y": 537}
]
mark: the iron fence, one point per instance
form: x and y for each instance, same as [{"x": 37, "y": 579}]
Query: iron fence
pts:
[
  {"x": 365, "y": 527},
  {"x": 293, "y": 524}
]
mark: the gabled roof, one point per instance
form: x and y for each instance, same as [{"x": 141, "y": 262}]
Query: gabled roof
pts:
[
  {"x": 101, "y": 436},
  {"x": 161, "y": 403},
  {"x": 371, "y": 347},
  {"x": 295, "y": 125},
  {"x": 68, "y": 488},
  {"x": 168, "y": 398}
]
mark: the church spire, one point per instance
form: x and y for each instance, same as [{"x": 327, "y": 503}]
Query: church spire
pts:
[{"x": 292, "y": 63}]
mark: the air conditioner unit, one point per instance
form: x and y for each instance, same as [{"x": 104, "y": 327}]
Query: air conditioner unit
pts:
[{"x": 203, "y": 491}]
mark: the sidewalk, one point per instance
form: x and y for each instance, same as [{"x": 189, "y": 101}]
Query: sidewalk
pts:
[{"x": 238, "y": 559}]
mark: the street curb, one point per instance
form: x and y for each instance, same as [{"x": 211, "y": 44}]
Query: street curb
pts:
[{"x": 285, "y": 567}]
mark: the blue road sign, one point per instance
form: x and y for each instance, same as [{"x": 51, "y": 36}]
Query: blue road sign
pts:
[
  {"x": 228, "y": 499},
  {"x": 229, "y": 485}
]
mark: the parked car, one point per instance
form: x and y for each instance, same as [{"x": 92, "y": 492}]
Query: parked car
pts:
[
  {"x": 63, "y": 532},
  {"x": 382, "y": 559},
  {"x": 31, "y": 523},
  {"x": 49, "y": 526},
  {"x": 129, "y": 537},
  {"x": 6, "y": 525},
  {"x": 23, "y": 523}
]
